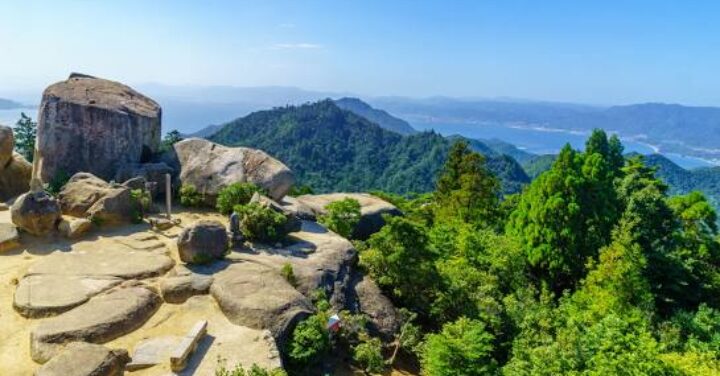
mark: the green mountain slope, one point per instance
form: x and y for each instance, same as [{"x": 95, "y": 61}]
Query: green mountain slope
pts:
[
  {"x": 380, "y": 117},
  {"x": 331, "y": 149}
]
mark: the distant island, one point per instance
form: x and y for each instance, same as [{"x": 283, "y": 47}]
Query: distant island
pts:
[{"x": 7, "y": 104}]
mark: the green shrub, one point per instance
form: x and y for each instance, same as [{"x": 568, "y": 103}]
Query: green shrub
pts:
[
  {"x": 261, "y": 223},
  {"x": 235, "y": 194},
  {"x": 368, "y": 355},
  {"x": 342, "y": 216},
  {"x": 300, "y": 190},
  {"x": 309, "y": 341},
  {"x": 141, "y": 204},
  {"x": 189, "y": 196},
  {"x": 57, "y": 183},
  {"x": 288, "y": 273},
  {"x": 238, "y": 370}
]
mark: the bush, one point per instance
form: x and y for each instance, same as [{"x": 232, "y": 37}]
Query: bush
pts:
[
  {"x": 288, "y": 273},
  {"x": 368, "y": 355},
  {"x": 261, "y": 223},
  {"x": 141, "y": 200},
  {"x": 299, "y": 191},
  {"x": 238, "y": 370},
  {"x": 342, "y": 216},
  {"x": 189, "y": 196},
  {"x": 309, "y": 341},
  {"x": 57, "y": 183},
  {"x": 235, "y": 194}
]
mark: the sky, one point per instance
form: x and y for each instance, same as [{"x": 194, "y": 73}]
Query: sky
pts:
[{"x": 598, "y": 52}]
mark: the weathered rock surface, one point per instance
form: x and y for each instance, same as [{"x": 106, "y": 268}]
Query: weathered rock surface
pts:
[
  {"x": 202, "y": 242},
  {"x": 14, "y": 177},
  {"x": 36, "y": 213},
  {"x": 86, "y": 195},
  {"x": 371, "y": 209},
  {"x": 211, "y": 167},
  {"x": 9, "y": 237},
  {"x": 371, "y": 301},
  {"x": 300, "y": 210},
  {"x": 103, "y": 318},
  {"x": 47, "y": 295},
  {"x": 113, "y": 262},
  {"x": 153, "y": 351},
  {"x": 7, "y": 144},
  {"x": 177, "y": 289},
  {"x": 257, "y": 296},
  {"x": 95, "y": 125},
  {"x": 153, "y": 173},
  {"x": 86, "y": 359},
  {"x": 73, "y": 228}
]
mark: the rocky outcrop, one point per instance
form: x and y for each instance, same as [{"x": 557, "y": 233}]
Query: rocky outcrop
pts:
[
  {"x": 203, "y": 242},
  {"x": 45, "y": 295},
  {"x": 73, "y": 228},
  {"x": 36, "y": 213},
  {"x": 153, "y": 173},
  {"x": 86, "y": 359},
  {"x": 372, "y": 210},
  {"x": 87, "y": 196},
  {"x": 15, "y": 171},
  {"x": 177, "y": 289},
  {"x": 103, "y": 318},
  {"x": 369, "y": 299},
  {"x": 210, "y": 167},
  {"x": 9, "y": 237},
  {"x": 95, "y": 125}
]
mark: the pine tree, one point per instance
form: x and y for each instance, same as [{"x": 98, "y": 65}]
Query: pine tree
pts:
[{"x": 25, "y": 133}]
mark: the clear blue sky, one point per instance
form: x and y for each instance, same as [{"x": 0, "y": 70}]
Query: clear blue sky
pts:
[{"x": 606, "y": 52}]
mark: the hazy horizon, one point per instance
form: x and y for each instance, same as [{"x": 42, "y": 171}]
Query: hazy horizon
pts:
[{"x": 598, "y": 53}]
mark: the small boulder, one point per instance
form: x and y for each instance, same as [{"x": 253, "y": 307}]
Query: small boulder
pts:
[
  {"x": 203, "y": 242},
  {"x": 36, "y": 213},
  {"x": 14, "y": 177},
  {"x": 86, "y": 195},
  {"x": 86, "y": 359},
  {"x": 210, "y": 167},
  {"x": 178, "y": 289},
  {"x": 9, "y": 237},
  {"x": 73, "y": 228},
  {"x": 116, "y": 208},
  {"x": 161, "y": 224}
]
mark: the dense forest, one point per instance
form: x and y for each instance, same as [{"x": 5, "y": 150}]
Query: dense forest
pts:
[
  {"x": 594, "y": 269},
  {"x": 331, "y": 149}
]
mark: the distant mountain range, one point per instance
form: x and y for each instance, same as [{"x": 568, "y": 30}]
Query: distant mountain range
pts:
[
  {"x": 379, "y": 117},
  {"x": 332, "y": 149},
  {"x": 7, "y": 104}
]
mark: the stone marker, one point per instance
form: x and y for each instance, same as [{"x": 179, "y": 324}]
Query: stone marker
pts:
[{"x": 179, "y": 356}]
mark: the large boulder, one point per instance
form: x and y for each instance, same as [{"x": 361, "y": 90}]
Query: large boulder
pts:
[
  {"x": 86, "y": 359},
  {"x": 369, "y": 299},
  {"x": 153, "y": 173},
  {"x": 7, "y": 144},
  {"x": 103, "y": 318},
  {"x": 210, "y": 167},
  {"x": 14, "y": 176},
  {"x": 202, "y": 242},
  {"x": 36, "y": 213},
  {"x": 95, "y": 125},
  {"x": 86, "y": 195},
  {"x": 45, "y": 295},
  {"x": 372, "y": 210}
]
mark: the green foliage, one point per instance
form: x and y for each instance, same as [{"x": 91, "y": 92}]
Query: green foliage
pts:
[
  {"x": 235, "y": 194},
  {"x": 170, "y": 139},
  {"x": 462, "y": 348},
  {"x": 56, "y": 184},
  {"x": 309, "y": 341},
  {"x": 141, "y": 204},
  {"x": 369, "y": 355},
  {"x": 222, "y": 370},
  {"x": 342, "y": 216},
  {"x": 465, "y": 189},
  {"x": 299, "y": 190},
  {"x": 258, "y": 222},
  {"x": 189, "y": 196},
  {"x": 288, "y": 273},
  {"x": 25, "y": 132}
]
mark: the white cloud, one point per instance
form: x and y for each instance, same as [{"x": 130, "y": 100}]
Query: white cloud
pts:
[{"x": 297, "y": 46}]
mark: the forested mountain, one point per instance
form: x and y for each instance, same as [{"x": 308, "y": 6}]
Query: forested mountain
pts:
[
  {"x": 331, "y": 149},
  {"x": 379, "y": 117},
  {"x": 682, "y": 181}
]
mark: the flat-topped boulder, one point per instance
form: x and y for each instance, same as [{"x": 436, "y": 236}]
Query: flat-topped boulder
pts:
[
  {"x": 116, "y": 261},
  {"x": 86, "y": 195},
  {"x": 95, "y": 125},
  {"x": 372, "y": 209},
  {"x": 45, "y": 295},
  {"x": 103, "y": 318},
  {"x": 210, "y": 167},
  {"x": 86, "y": 359}
]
